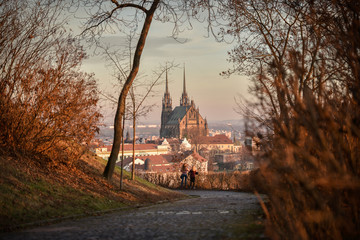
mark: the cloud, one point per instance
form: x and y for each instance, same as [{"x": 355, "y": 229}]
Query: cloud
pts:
[
  {"x": 160, "y": 42},
  {"x": 164, "y": 46},
  {"x": 204, "y": 59},
  {"x": 195, "y": 46}
]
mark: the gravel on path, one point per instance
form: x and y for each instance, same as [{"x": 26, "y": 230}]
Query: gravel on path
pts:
[{"x": 207, "y": 215}]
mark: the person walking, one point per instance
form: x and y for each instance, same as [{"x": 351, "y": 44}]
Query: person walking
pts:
[
  {"x": 184, "y": 173},
  {"x": 192, "y": 174}
]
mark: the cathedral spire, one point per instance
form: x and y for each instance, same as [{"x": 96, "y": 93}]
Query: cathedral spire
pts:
[
  {"x": 166, "y": 98},
  {"x": 167, "y": 83},
  {"x": 166, "y": 107},
  {"x": 184, "y": 81},
  {"x": 184, "y": 101}
]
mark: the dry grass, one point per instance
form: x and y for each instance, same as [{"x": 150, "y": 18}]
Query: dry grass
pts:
[{"x": 31, "y": 192}]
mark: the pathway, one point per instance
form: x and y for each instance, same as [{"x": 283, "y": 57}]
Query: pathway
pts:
[{"x": 212, "y": 215}]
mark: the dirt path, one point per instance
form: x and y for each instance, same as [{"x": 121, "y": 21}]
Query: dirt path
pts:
[{"x": 209, "y": 215}]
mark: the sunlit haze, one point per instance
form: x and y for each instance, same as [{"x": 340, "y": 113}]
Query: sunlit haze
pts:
[{"x": 204, "y": 60}]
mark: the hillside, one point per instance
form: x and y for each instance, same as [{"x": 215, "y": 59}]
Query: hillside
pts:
[{"x": 32, "y": 194}]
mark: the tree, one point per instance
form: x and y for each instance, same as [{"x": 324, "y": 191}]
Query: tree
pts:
[
  {"x": 119, "y": 73},
  {"x": 47, "y": 105},
  {"x": 196, "y": 137},
  {"x": 111, "y": 14},
  {"x": 138, "y": 109},
  {"x": 304, "y": 60},
  {"x": 140, "y": 90}
]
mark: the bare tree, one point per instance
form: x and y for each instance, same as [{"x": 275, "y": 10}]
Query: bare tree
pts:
[
  {"x": 108, "y": 15},
  {"x": 196, "y": 137},
  {"x": 149, "y": 13},
  {"x": 303, "y": 59},
  {"x": 141, "y": 90},
  {"x": 47, "y": 105},
  {"x": 138, "y": 107},
  {"x": 120, "y": 69}
]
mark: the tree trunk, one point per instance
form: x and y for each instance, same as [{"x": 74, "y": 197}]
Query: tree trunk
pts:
[
  {"x": 120, "y": 111},
  {"x": 133, "y": 158},
  {"x": 122, "y": 155}
]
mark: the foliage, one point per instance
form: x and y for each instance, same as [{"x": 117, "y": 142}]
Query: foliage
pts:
[
  {"x": 47, "y": 105},
  {"x": 303, "y": 57}
]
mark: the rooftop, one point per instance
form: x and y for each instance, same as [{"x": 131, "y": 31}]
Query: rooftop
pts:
[
  {"x": 128, "y": 147},
  {"x": 217, "y": 139},
  {"x": 178, "y": 113}
]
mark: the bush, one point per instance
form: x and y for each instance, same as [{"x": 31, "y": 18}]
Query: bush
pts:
[
  {"x": 238, "y": 181},
  {"x": 47, "y": 106},
  {"x": 303, "y": 60}
]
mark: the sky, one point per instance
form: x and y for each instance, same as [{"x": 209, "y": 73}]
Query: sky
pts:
[{"x": 204, "y": 60}]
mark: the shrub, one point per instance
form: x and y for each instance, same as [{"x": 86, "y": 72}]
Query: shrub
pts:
[
  {"x": 209, "y": 181},
  {"x": 47, "y": 106}
]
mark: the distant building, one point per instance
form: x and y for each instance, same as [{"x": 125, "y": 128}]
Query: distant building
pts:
[
  {"x": 252, "y": 144},
  {"x": 227, "y": 161},
  {"x": 196, "y": 160},
  {"x": 227, "y": 157},
  {"x": 128, "y": 139},
  {"x": 140, "y": 150},
  {"x": 249, "y": 142},
  {"x": 166, "y": 162},
  {"x": 183, "y": 120},
  {"x": 155, "y": 163},
  {"x": 221, "y": 143},
  {"x": 185, "y": 145}
]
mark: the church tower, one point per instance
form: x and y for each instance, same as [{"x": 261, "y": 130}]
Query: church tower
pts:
[
  {"x": 184, "y": 120},
  {"x": 184, "y": 100},
  {"x": 166, "y": 108}
]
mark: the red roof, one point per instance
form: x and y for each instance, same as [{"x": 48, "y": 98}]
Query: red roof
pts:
[
  {"x": 198, "y": 157},
  {"x": 178, "y": 157},
  {"x": 159, "y": 163},
  {"x": 128, "y": 147},
  {"x": 165, "y": 162},
  {"x": 217, "y": 139},
  {"x": 155, "y": 159}
]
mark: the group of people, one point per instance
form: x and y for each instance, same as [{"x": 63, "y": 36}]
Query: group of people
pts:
[{"x": 184, "y": 175}]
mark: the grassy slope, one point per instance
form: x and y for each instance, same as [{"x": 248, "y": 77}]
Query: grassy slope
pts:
[{"x": 31, "y": 193}]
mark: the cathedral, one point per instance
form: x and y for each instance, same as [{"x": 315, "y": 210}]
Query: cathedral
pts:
[{"x": 182, "y": 121}]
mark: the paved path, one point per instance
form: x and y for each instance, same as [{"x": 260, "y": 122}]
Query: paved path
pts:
[{"x": 213, "y": 215}]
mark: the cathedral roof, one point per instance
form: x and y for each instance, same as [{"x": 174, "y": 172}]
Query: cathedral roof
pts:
[{"x": 178, "y": 112}]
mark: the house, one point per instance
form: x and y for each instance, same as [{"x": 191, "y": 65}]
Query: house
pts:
[
  {"x": 166, "y": 162},
  {"x": 196, "y": 160},
  {"x": 154, "y": 163},
  {"x": 217, "y": 143},
  {"x": 185, "y": 145},
  {"x": 140, "y": 150},
  {"x": 227, "y": 157}
]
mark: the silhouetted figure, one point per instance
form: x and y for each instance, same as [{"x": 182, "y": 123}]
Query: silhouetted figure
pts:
[
  {"x": 184, "y": 173},
  {"x": 192, "y": 174}
]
